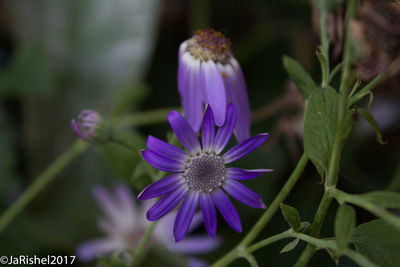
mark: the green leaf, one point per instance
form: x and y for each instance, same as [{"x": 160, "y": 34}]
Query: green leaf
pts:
[
  {"x": 299, "y": 76},
  {"x": 384, "y": 199},
  {"x": 122, "y": 157},
  {"x": 292, "y": 245},
  {"x": 344, "y": 226},
  {"x": 379, "y": 242},
  {"x": 292, "y": 216},
  {"x": 333, "y": 253},
  {"x": 320, "y": 124},
  {"x": 371, "y": 120}
]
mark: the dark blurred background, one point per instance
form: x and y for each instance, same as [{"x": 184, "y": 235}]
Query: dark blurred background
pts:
[{"x": 58, "y": 57}]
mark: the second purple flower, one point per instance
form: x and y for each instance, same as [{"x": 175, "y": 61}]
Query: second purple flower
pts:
[{"x": 209, "y": 73}]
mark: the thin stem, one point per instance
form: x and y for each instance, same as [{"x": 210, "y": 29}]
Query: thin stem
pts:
[
  {"x": 323, "y": 18},
  {"x": 48, "y": 175},
  {"x": 335, "y": 70},
  {"x": 359, "y": 259},
  {"x": 268, "y": 241},
  {"x": 143, "y": 118},
  {"x": 41, "y": 182},
  {"x": 139, "y": 251},
  {"x": 365, "y": 204},
  {"x": 266, "y": 217},
  {"x": 315, "y": 229}
]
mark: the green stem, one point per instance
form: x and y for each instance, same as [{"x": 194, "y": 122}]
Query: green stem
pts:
[
  {"x": 266, "y": 217},
  {"x": 268, "y": 241},
  {"x": 47, "y": 176},
  {"x": 365, "y": 204},
  {"x": 41, "y": 182},
  {"x": 359, "y": 259},
  {"x": 315, "y": 230},
  {"x": 323, "y": 17},
  {"x": 143, "y": 118},
  {"x": 333, "y": 167},
  {"x": 139, "y": 251}
]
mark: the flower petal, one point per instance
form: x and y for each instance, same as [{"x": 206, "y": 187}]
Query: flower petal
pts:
[
  {"x": 213, "y": 90},
  {"x": 164, "y": 149},
  {"x": 95, "y": 248},
  {"x": 243, "y": 194},
  {"x": 195, "y": 245},
  {"x": 184, "y": 132},
  {"x": 208, "y": 130},
  {"x": 185, "y": 215},
  {"x": 106, "y": 202},
  {"x": 241, "y": 174},
  {"x": 209, "y": 214},
  {"x": 227, "y": 210},
  {"x": 162, "y": 163},
  {"x": 225, "y": 132},
  {"x": 244, "y": 148},
  {"x": 161, "y": 187},
  {"x": 237, "y": 94},
  {"x": 190, "y": 89},
  {"x": 166, "y": 204}
]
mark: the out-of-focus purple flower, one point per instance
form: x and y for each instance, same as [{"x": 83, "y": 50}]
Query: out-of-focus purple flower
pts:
[
  {"x": 90, "y": 126},
  {"x": 201, "y": 174},
  {"x": 209, "y": 73},
  {"x": 124, "y": 223}
]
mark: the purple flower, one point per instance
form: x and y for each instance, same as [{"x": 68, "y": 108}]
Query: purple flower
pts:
[
  {"x": 209, "y": 73},
  {"x": 124, "y": 223},
  {"x": 91, "y": 127},
  {"x": 201, "y": 174}
]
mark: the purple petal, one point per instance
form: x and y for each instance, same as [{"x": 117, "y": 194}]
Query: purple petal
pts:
[
  {"x": 190, "y": 90},
  {"x": 184, "y": 132},
  {"x": 243, "y": 194},
  {"x": 161, "y": 187},
  {"x": 241, "y": 174},
  {"x": 104, "y": 200},
  {"x": 126, "y": 203},
  {"x": 164, "y": 149},
  {"x": 227, "y": 210},
  {"x": 225, "y": 132},
  {"x": 75, "y": 128},
  {"x": 209, "y": 214},
  {"x": 244, "y": 148},
  {"x": 95, "y": 248},
  {"x": 195, "y": 245},
  {"x": 193, "y": 262},
  {"x": 208, "y": 130},
  {"x": 162, "y": 163},
  {"x": 166, "y": 204},
  {"x": 213, "y": 90},
  {"x": 185, "y": 215},
  {"x": 237, "y": 94}
]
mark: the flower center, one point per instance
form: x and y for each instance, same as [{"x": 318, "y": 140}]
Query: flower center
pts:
[
  {"x": 209, "y": 44},
  {"x": 204, "y": 172}
]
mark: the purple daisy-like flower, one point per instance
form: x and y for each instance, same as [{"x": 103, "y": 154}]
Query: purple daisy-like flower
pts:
[
  {"x": 201, "y": 175},
  {"x": 209, "y": 73}
]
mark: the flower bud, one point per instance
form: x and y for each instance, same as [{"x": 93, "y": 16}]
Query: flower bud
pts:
[{"x": 91, "y": 127}]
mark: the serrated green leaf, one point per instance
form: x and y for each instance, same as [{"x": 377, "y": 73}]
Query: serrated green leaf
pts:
[
  {"x": 320, "y": 124},
  {"x": 299, "y": 76},
  {"x": 291, "y": 216},
  {"x": 379, "y": 242},
  {"x": 371, "y": 120},
  {"x": 344, "y": 226},
  {"x": 384, "y": 199},
  {"x": 292, "y": 245}
]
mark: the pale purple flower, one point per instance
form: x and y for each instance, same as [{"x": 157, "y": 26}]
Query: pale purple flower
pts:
[
  {"x": 201, "y": 175},
  {"x": 90, "y": 126},
  {"x": 208, "y": 73},
  {"x": 124, "y": 223}
]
